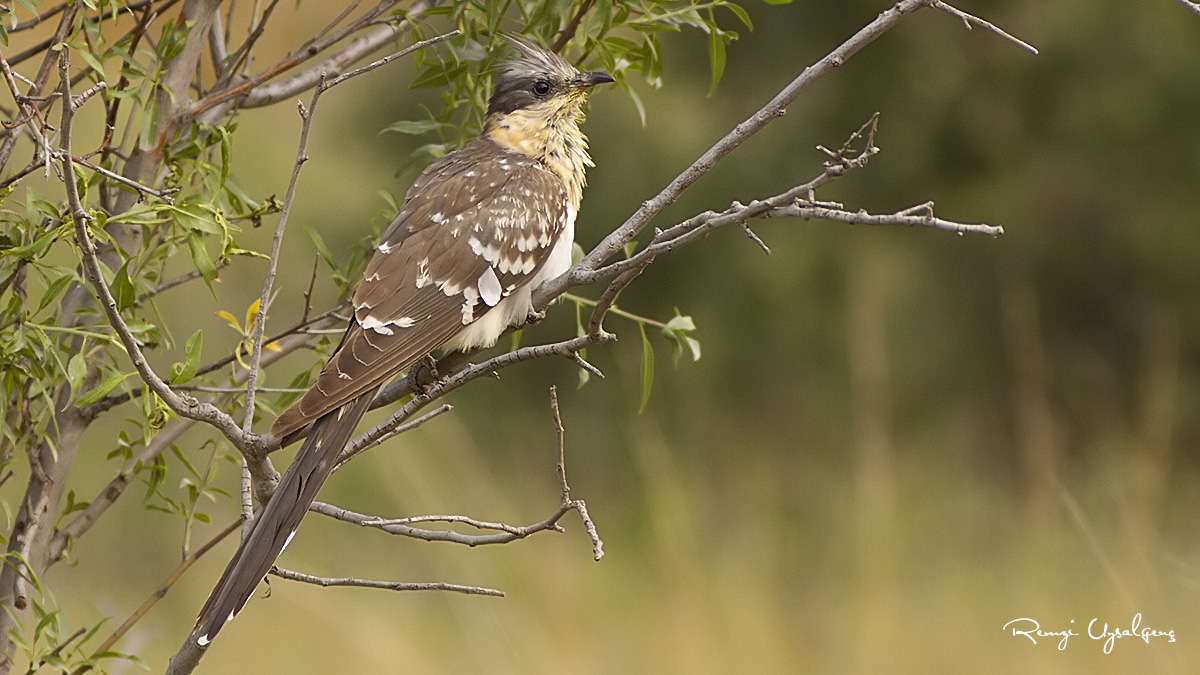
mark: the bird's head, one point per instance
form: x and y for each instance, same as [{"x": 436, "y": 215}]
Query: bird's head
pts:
[{"x": 539, "y": 83}]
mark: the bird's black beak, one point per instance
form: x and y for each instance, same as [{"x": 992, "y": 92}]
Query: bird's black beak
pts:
[{"x": 589, "y": 80}]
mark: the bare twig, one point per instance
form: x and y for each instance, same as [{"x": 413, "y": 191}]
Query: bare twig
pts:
[
  {"x": 923, "y": 217},
  {"x": 572, "y": 26},
  {"x": 306, "y": 116},
  {"x": 969, "y": 19},
  {"x": 383, "y": 585},
  {"x": 504, "y": 533},
  {"x": 157, "y": 595},
  {"x": 140, "y": 188},
  {"x": 177, "y": 281},
  {"x": 352, "y": 452},
  {"x": 242, "y": 54},
  {"x": 389, "y": 58}
]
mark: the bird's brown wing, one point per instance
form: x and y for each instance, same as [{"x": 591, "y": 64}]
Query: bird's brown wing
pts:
[{"x": 477, "y": 225}]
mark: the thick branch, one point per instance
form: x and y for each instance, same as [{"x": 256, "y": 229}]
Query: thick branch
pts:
[{"x": 256, "y": 93}]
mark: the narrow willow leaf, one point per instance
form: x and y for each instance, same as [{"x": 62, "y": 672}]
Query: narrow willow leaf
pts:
[
  {"x": 182, "y": 373},
  {"x": 647, "y": 368},
  {"x": 122, "y": 289},
  {"x": 76, "y": 369},
  {"x": 414, "y": 127},
  {"x": 102, "y": 390},
  {"x": 716, "y": 59}
]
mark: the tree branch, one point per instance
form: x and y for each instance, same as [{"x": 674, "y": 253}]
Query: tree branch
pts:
[{"x": 290, "y": 575}]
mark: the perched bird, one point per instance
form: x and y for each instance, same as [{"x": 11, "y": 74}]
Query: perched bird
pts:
[{"x": 479, "y": 230}]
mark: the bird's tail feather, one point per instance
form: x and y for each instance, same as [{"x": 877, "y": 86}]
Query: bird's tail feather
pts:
[{"x": 277, "y": 522}]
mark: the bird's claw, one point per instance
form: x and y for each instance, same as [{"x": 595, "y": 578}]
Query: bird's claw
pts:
[{"x": 424, "y": 374}]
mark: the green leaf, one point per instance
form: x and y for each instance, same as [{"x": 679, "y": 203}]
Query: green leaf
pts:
[
  {"x": 76, "y": 369},
  {"x": 102, "y": 390},
  {"x": 35, "y": 249},
  {"x": 647, "y": 368},
  {"x": 741, "y": 14},
  {"x": 437, "y": 76},
  {"x": 199, "y": 218},
  {"x": 414, "y": 127},
  {"x": 92, "y": 61},
  {"x": 53, "y": 290},
  {"x": 676, "y": 330},
  {"x": 182, "y": 373},
  {"x": 149, "y": 131},
  {"x": 226, "y": 153},
  {"x": 122, "y": 289},
  {"x": 777, "y": 2},
  {"x": 200, "y": 258},
  {"x": 716, "y": 59},
  {"x": 298, "y": 382},
  {"x": 322, "y": 249}
]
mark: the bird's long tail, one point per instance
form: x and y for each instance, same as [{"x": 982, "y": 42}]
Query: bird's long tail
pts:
[{"x": 277, "y": 522}]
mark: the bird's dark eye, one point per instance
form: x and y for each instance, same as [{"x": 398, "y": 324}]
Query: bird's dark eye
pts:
[{"x": 541, "y": 87}]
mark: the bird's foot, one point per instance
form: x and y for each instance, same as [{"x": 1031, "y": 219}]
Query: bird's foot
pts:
[
  {"x": 534, "y": 317},
  {"x": 423, "y": 374}
]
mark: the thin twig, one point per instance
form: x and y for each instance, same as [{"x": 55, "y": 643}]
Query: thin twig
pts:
[
  {"x": 572, "y": 26},
  {"x": 383, "y": 585},
  {"x": 351, "y": 453},
  {"x": 177, "y": 281},
  {"x": 388, "y": 59},
  {"x": 969, "y": 19},
  {"x": 306, "y": 116},
  {"x": 65, "y": 23},
  {"x": 141, "y": 188}
]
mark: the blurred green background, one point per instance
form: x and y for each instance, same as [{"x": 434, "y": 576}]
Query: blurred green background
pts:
[{"x": 896, "y": 440}]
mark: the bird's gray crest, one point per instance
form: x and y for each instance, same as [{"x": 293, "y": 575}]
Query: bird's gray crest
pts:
[
  {"x": 532, "y": 74},
  {"x": 531, "y": 60}
]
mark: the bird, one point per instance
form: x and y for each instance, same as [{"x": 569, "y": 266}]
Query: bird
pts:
[{"x": 479, "y": 230}]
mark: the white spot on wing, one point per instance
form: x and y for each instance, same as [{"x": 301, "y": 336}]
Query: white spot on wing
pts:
[
  {"x": 384, "y": 248},
  {"x": 489, "y": 287}
]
